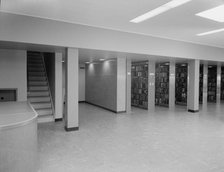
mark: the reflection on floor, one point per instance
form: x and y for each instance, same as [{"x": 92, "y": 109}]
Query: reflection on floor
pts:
[{"x": 145, "y": 141}]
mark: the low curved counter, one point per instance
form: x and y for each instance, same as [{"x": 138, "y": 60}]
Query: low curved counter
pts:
[{"x": 18, "y": 137}]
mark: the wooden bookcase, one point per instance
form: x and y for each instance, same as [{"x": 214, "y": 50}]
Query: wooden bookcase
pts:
[
  {"x": 162, "y": 84},
  {"x": 201, "y": 84},
  {"x": 181, "y": 84},
  {"x": 139, "y": 84},
  {"x": 212, "y": 83}
]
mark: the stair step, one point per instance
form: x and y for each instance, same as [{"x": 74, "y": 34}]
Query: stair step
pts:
[
  {"x": 43, "y": 105},
  {"x": 38, "y": 93},
  {"x": 35, "y": 67},
  {"x": 36, "y": 74},
  {"x": 38, "y": 88},
  {"x": 34, "y": 60},
  {"x": 30, "y": 64},
  {"x": 32, "y": 52},
  {"x": 37, "y": 78},
  {"x": 30, "y": 56},
  {"x": 39, "y": 99},
  {"x": 35, "y": 70},
  {"x": 43, "y": 112},
  {"x": 45, "y": 118},
  {"x": 37, "y": 83}
]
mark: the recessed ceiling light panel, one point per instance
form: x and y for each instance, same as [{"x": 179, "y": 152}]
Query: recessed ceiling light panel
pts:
[
  {"x": 216, "y": 14},
  {"x": 159, "y": 10}
]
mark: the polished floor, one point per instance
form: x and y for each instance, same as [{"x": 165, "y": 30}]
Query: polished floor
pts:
[{"x": 144, "y": 141}]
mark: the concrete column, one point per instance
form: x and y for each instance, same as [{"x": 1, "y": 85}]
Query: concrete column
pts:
[
  {"x": 71, "y": 86},
  {"x": 58, "y": 113},
  {"x": 121, "y": 84},
  {"x": 205, "y": 85},
  {"x": 172, "y": 84},
  {"x": 218, "y": 92},
  {"x": 193, "y": 87},
  {"x": 128, "y": 85},
  {"x": 151, "y": 85}
]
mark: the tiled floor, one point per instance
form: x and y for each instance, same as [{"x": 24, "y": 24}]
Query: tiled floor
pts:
[{"x": 156, "y": 141}]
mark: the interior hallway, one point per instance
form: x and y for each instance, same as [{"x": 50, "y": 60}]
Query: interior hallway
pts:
[{"x": 159, "y": 141}]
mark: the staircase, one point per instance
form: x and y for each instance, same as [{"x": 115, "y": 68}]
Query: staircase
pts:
[{"x": 38, "y": 87}]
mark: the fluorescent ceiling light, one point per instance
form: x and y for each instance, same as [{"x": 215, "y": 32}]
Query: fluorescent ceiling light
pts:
[
  {"x": 87, "y": 62},
  {"x": 102, "y": 59},
  {"x": 211, "y": 32},
  {"x": 159, "y": 10},
  {"x": 216, "y": 14}
]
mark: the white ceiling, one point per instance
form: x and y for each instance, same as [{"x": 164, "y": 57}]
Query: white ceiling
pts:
[{"x": 179, "y": 23}]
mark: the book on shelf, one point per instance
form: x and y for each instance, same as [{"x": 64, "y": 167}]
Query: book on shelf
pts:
[
  {"x": 212, "y": 83},
  {"x": 162, "y": 84},
  {"x": 139, "y": 84},
  {"x": 181, "y": 84}
]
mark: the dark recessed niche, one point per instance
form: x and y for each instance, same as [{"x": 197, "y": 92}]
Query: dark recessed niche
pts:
[{"x": 7, "y": 95}]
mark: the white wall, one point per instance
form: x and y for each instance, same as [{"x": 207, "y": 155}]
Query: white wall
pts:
[
  {"x": 82, "y": 83},
  {"x": 13, "y": 72},
  {"x": 101, "y": 84},
  {"x": 42, "y": 31}
]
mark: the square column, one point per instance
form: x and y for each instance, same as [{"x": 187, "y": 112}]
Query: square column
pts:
[
  {"x": 151, "y": 85},
  {"x": 218, "y": 92},
  {"x": 71, "y": 86},
  {"x": 128, "y": 85},
  {"x": 193, "y": 87},
  {"x": 58, "y": 87},
  {"x": 121, "y": 84},
  {"x": 205, "y": 85},
  {"x": 172, "y": 84}
]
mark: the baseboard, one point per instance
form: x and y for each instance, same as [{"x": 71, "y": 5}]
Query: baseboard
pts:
[
  {"x": 58, "y": 119},
  {"x": 192, "y": 111},
  {"x": 82, "y": 101},
  {"x": 121, "y": 112},
  {"x": 105, "y": 108},
  {"x": 71, "y": 129}
]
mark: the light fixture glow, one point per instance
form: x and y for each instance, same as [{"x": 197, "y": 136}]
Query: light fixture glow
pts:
[
  {"x": 159, "y": 10},
  {"x": 87, "y": 62},
  {"x": 102, "y": 59},
  {"x": 211, "y": 32},
  {"x": 216, "y": 14}
]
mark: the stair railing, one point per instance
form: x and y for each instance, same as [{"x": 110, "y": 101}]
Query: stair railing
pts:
[{"x": 52, "y": 104}]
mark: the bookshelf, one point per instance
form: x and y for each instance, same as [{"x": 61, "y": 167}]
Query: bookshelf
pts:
[
  {"x": 212, "y": 83},
  {"x": 201, "y": 83},
  {"x": 139, "y": 84},
  {"x": 222, "y": 83},
  {"x": 181, "y": 84},
  {"x": 162, "y": 84}
]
